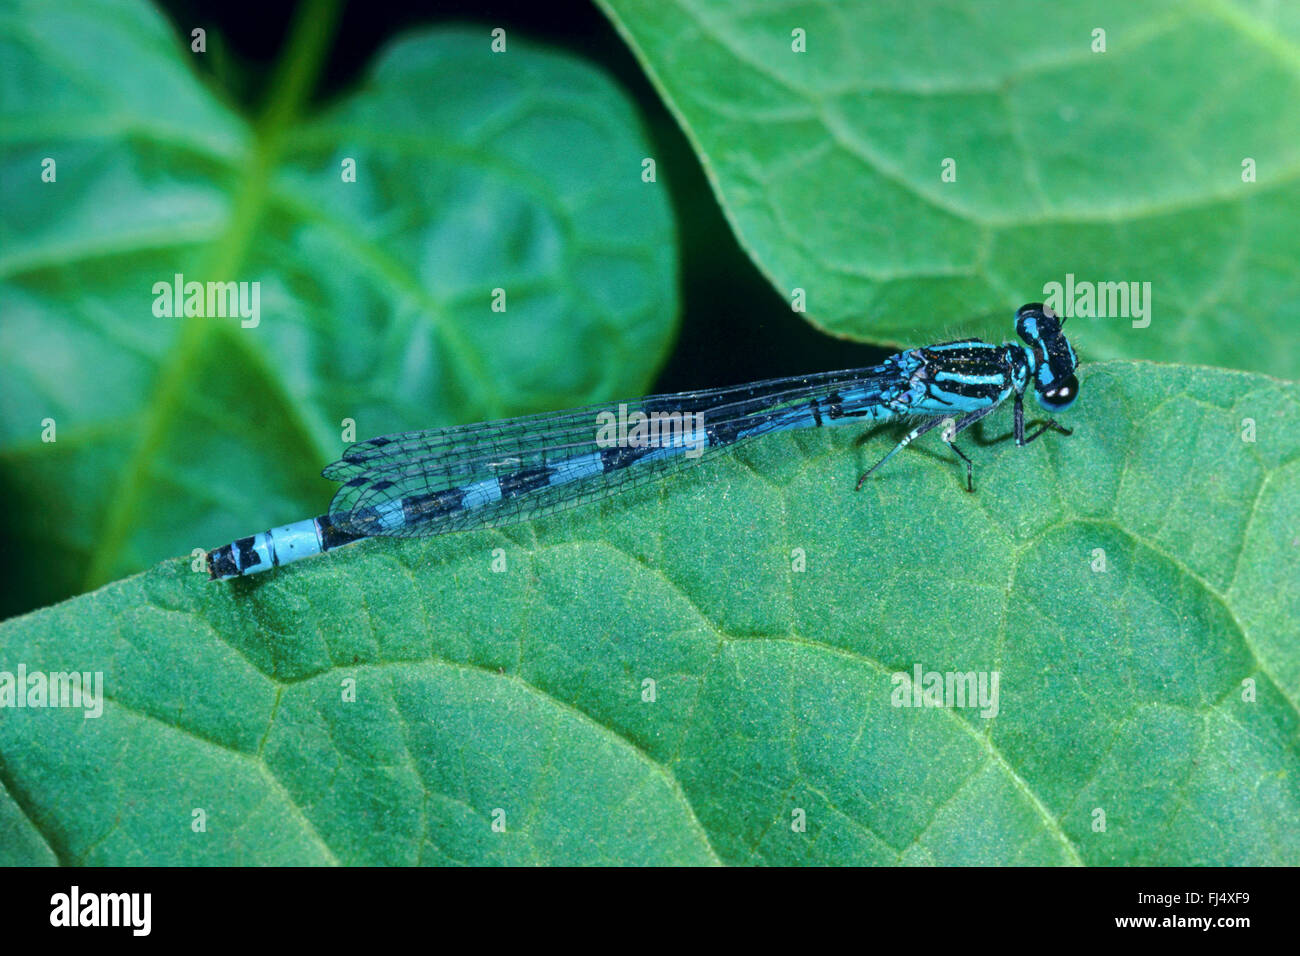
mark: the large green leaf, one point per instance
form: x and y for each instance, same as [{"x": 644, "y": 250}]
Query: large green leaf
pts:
[
  {"x": 475, "y": 171},
  {"x": 1134, "y": 585},
  {"x": 1125, "y": 165}
]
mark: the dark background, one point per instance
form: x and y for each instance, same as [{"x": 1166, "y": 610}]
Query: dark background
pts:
[{"x": 735, "y": 327}]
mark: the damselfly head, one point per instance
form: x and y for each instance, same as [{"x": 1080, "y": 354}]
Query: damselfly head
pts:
[{"x": 1055, "y": 361}]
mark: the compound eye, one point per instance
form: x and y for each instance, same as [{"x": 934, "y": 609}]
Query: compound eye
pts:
[{"x": 1061, "y": 394}]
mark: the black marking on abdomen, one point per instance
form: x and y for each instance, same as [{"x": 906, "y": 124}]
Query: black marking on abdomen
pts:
[
  {"x": 221, "y": 562},
  {"x": 331, "y": 535},
  {"x": 522, "y": 482},
  {"x": 248, "y": 556},
  {"x": 418, "y": 508},
  {"x": 724, "y": 433}
]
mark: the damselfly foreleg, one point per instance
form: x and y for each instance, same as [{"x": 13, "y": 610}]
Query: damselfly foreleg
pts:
[{"x": 1019, "y": 417}]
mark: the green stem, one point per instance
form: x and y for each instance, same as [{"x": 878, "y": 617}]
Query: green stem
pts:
[{"x": 295, "y": 75}]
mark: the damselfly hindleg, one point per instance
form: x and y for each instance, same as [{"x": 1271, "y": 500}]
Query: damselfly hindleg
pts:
[
  {"x": 958, "y": 426},
  {"x": 910, "y": 437}
]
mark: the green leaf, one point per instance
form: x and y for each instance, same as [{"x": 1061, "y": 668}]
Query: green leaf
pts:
[
  {"x": 1116, "y": 166},
  {"x": 1134, "y": 586},
  {"x": 476, "y": 171}
]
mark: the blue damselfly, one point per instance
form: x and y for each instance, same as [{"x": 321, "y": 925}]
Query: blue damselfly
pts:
[{"x": 502, "y": 472}]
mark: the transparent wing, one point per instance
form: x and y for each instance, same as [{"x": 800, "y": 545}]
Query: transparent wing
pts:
[{"x": 501, "y": 472}]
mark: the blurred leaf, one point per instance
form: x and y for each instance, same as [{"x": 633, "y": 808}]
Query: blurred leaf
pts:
[
  {"x": 1124, "y": 582},
  {"x": 1117, "y": 166},
  {"x": 475, "y": 171}
]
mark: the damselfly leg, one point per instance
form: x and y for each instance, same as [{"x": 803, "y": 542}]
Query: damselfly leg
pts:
[
  {"x": 961, "y": 425},
  {"x": 957, "y": 427},
  {"x": 910, "y": 437},
  {"x": 1019, "y": 417}
]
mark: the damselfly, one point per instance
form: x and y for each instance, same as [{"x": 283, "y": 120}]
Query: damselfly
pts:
[{"x": 498, "y": 473}]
